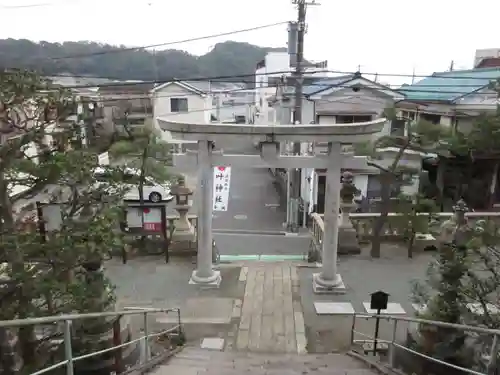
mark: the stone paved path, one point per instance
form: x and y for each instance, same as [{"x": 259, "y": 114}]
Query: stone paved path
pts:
[{"x": 271, "y": 317}]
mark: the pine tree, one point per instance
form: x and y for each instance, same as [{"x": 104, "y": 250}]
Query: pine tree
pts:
[
  {"x": 421, "y": 136},
  {"x": 47, "y": 273}
]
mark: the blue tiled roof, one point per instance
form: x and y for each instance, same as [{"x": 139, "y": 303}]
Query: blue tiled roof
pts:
[
  {"x": 325, "y": 84},
  {"x": 321, "y": 84},
  {"x": 448, "y": 86}
]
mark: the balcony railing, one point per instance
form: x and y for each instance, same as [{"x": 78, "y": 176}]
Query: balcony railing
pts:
[{"x": 66, "y": 322}]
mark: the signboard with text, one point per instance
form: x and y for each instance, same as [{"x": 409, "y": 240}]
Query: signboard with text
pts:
[
  {"x": 222, "y": 178},
  {"x": 149, "y": 218}
]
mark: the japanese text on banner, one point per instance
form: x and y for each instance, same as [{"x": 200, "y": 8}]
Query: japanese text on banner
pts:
[{"x": 222, "y": 178}]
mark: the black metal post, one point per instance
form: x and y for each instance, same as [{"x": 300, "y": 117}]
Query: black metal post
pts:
[{"x": 375, "y": 338}]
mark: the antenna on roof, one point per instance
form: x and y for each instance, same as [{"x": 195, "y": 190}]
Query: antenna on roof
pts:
[
  {"x": 413, "y": 76},
  {"x": 451, "y": 66},
  {"x": 375, "y": 79}
]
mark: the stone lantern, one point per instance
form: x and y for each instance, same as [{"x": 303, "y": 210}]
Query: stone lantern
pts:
[
  {"x": 183, "y": 231},
  {"x": 454, "y": 230},
  {"x": 348, "y": 237}
]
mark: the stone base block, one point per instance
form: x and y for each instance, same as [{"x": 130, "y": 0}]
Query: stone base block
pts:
[
  {"x": 322, "y": 287},
  {"x": 186, "y": 234},
  {"x": 348, "y": 242},
  {"x": 210, "y": 282}
]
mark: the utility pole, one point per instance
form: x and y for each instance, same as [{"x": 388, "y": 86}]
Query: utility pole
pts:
[{"x": 295, "y": 178}]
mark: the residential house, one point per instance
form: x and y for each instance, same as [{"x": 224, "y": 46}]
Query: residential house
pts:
[
  {"x": 126, "y": 103},
  {"x": 182, "y": 101},
  {"x": 345, "y": 99},
  {"x": 202, "y": 101},
  {"x": 485, "y": 53},
  {"x": 456, "y": 99},
  {"x": 235, "y": 105},
  {"x": 453, "y": 99},
  {"x": 273, "y": 69}
]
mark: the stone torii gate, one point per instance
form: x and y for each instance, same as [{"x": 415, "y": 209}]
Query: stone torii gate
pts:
[{"x": 269, "y": 138}]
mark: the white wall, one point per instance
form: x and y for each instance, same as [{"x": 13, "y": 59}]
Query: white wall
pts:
[
  {"x": 199, "y": 107},
  {"x": 361, "y": 182}
]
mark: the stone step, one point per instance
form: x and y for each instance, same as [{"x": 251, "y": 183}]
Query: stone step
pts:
[{"x": 195, "y": 361}]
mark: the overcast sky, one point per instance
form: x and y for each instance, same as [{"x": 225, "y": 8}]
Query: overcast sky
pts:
[{"x": 384, "y": 36}]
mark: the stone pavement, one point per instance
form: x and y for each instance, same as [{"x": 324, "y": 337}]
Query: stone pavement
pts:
[
  {"x": 270, "y": 306},
  {"x": 329, "y": 318},
  {"x": 271, "y": 318},
  {"x": 193, "y": 361}
]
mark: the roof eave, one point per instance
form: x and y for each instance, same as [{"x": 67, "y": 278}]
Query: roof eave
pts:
[{"x": 469, "y": 93}]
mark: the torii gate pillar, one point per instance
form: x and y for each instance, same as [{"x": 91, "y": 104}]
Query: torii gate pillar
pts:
[
  {"x": 328, "y": 280},
  {"x": 204, "y": 274}
]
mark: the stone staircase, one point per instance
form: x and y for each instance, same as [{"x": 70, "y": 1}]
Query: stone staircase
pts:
[{"x": 195, "y": 361}]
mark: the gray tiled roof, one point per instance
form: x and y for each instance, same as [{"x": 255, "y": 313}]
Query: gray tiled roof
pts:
[{"x": 207, "y": 86}]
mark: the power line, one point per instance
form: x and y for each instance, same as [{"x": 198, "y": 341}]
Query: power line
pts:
[
  {"x": 227, "y": 78},
  {"x": 121, "y": 50},
  {"x": 38, "y": 5},
  {"x": 231, "y": 79},
  {"x": 220, "y": 78},
  {"x": 99, "y": 99}
]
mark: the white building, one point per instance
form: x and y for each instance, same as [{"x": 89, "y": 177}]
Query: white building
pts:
[
  {"x": 182, "y": 101},
  {"x": 270, "y": 71},
  {"x": 485, "y": 53},
  {"x": 201, "y": 101}
]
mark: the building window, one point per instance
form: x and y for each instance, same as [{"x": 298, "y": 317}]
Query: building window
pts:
[
  {"x": 351, "y": 119},
  {"x": 433, "y": 119},
  {"x": 273, "y": 81},
  {"x": 398, "y": 127},
  {"x": 178, "y": 105},
  {"x": 408, "y": 115}
]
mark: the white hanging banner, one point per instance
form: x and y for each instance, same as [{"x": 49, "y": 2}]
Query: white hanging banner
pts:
[{"x": 222, "y": 178}]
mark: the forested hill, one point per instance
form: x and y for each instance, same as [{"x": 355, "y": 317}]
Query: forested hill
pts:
[{"x": 119, "y": 62}]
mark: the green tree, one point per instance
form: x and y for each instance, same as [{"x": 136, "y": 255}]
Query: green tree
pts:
[
  {"x": 45, "y": 274},
  {"x": 141, "y": 149},
  {"x": 421, "y": 136},
  {"x": 102, "y": 60},
  {"x": 462, "y": 287},
  {"x": 416, "y": 213}
]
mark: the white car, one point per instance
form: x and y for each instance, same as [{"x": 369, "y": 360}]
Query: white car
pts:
[{"x": 152, "y": 190}]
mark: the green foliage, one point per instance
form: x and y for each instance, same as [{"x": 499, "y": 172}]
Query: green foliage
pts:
[
  {"x": 411, "y": 208},
  {"x": 225, "y": 59},
  {"x": 142, "y": 149},
  {"x": 462, "y": 286},
  {"x": 45, "y": 274},
  {"x": 417, "y": 214},
  {"x": 419, "y": 136}
]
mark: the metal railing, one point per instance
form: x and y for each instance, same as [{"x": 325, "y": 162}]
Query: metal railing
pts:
[
  {"x": 67, "y": 320},
  {"x": 487, "y": 358}
]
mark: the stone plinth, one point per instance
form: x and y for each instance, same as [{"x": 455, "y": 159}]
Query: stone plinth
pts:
[
  {"x": 184, "y": 231},
  {"x": 348, "y": 238},
  {"x": 348, "y": 241}
]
